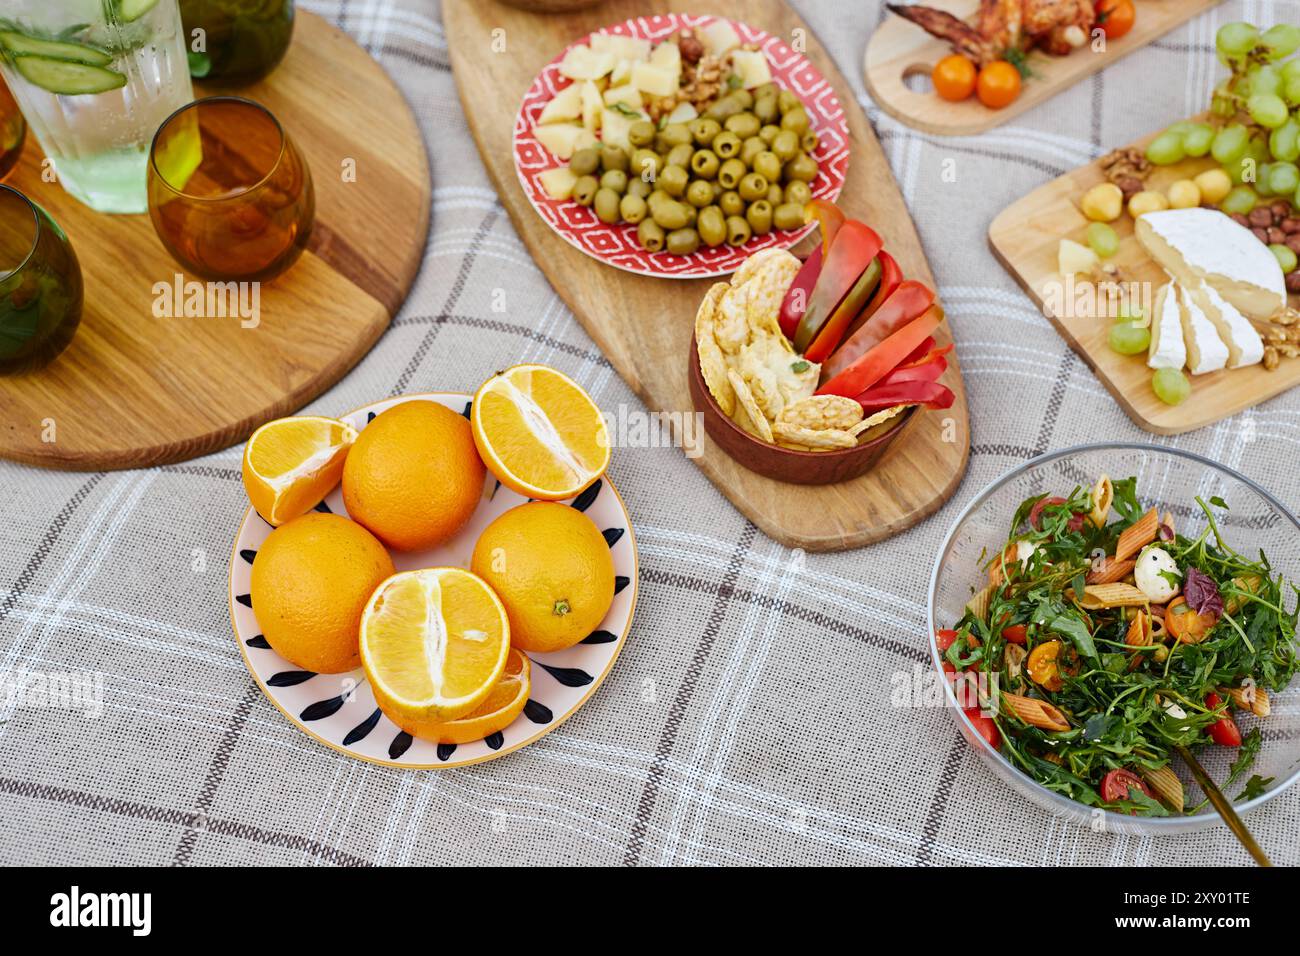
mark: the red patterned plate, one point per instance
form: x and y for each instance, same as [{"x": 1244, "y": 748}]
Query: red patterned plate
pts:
[{"x": 617, "y": 245}]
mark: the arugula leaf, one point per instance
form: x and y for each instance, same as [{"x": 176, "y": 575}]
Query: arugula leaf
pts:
[
  {"x": 1073, "y": 628},
  {"x": 1126, "y": 501},
  {"x": 621, "y": 107},
  {"x": 1219, "y": 503},
  {"x": 1256, "y": 786},
  {"x": 1246, "y": 755}
]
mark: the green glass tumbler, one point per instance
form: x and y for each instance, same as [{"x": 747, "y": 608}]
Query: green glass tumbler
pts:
[{"x": 236, "y": 42}]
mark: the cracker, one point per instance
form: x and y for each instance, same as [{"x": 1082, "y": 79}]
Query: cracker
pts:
[
  {"x": 747, "y": 401},
  {"x": 713, "y": 364}
]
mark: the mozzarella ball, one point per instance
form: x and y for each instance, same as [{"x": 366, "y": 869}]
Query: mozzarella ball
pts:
[{"x": 1150, "y": 579}]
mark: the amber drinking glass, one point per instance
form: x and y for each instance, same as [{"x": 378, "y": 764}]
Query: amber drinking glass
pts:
[
  {"x": 13, "y": 130},
  {"x": 229, "y": 194},
  {"x": 40, "y": 285}
]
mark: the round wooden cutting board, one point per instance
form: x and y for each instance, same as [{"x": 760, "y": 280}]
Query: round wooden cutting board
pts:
[{"x": 135, "y": 390}]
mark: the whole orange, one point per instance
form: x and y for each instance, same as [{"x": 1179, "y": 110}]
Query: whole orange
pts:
[
  {"x": 310, "y": 583},
  {"x": 551, "y": 568},
  {"x": 413, "y": 476}
]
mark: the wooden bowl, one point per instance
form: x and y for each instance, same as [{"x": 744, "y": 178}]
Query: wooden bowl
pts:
[{"x": 787, "y": 464}]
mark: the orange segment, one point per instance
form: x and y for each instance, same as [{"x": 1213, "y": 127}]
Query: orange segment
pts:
[
  {"x": 497, "y": 712},
  {"x": 539, "y": 433},
  {"x": 292, "y": 463},
  {"x": 433, "y": 644}
]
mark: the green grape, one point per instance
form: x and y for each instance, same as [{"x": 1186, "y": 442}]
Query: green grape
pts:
[
  {"x": 1281, "y": 40},
  {"x": 1291, "y": 92},
  {"x": 1166, "y": 149},
  {"x": 1230, "y": 144},
  {"x": 1236, "y": 39},
  {"x": 1262, "y": 180},
  {"x": 1286, "y": 257},
  {"x": 1265, "y": 81},
  {"x": 1222, "y": 103},
  {"x": 1198, "y": 140},
  {"x": 1267, "y": 109},
  {"x": 1291, "y": 70},
  {"x": 1170, "y": 385},
  {"x": 1283, "y": 178},
  {"x": 1241, "y": 201},
  {"x": 1130, "y": 311},
  {"x": 1129, "y": 338},
  {"x": 1103, "y": 239},
  {"x": 1284, "y": 142}
]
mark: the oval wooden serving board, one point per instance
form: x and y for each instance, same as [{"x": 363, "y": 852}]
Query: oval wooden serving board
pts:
[
  {"x": 1025, "y": 237},
  {"x": 644, "y": 324},
  {"x": 134, "y": 390},
  {"x": 900, "y": 49}
]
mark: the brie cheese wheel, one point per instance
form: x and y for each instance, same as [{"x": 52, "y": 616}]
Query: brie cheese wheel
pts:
[
  {"x": 1245, "y": 347},
  {"x": 1204, "y": 245},
  {"x": 1168, "y": 350},
  {"x": 1206, "y": 352}
]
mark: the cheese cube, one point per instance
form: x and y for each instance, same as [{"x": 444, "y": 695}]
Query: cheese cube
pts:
[
  {"x": 592, "y": 106},
  {"x": 558, "y": 182},
  {"x": 655, "y": 80},
  {"x": 719, "y": 37},
  {"x": 683, "y": 113},
  {"x": 751, "y": 66},
  {"x": 669, "y": 56},
  {"x": 628, "y": 95},
  {"x": 564, "y": 106},
  {"x": 561, "y": 139},
  {"x": 1073, "y": 258},
  {"x": 621, "y": 74},
  {"x": 580, "y": 63},
  {"x": 614, "y": 128}
]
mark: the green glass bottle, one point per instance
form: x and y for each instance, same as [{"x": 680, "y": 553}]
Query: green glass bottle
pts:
[{"x": 236, "y": 42}]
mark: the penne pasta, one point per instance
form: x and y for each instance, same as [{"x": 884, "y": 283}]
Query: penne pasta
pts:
[
  {"x": 1165, "y": 784},
  {"x": 979, "y": 604},
  {"x": 1139, "y": 632},
  {"x": 1103, "y": 493},
  {"x": 1037, "y": 713},
  {"x": 1109, "y": 570},
  {"x": 1116, "y": 594},
  {"x": 1137, "y": 535},
  {"x": 1252, "y": 699}
]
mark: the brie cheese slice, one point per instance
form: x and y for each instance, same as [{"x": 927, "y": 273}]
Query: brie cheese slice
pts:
[
  {"x": 1168, "y": 350},
  {"x": 1245, "y": 347},
  {"x": 1206, "y": 352},
  {"x": 1204, "y": 245}
]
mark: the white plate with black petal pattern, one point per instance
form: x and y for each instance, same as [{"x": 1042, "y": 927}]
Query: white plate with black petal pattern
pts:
[{"x": 339, "y": 709}]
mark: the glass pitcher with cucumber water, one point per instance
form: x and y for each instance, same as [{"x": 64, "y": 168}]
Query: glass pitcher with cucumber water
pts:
[{"x": 95, "y": 79}]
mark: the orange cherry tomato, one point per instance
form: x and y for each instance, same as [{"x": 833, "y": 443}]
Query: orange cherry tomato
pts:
[
  {"x": 1043, "y": 669},
  {"x": 1186, "y": 625},
  {"x": 1115, "y": 17},
  {"x": 998, "y": 84},
  {"x": 954, "y": 77}
]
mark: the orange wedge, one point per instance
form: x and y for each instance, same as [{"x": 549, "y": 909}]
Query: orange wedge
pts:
[
  {"x": 292, "y": 463},
  {"x": 433, "y": 643},
  {"x": 497, "y": 712},
  {"x": 539, "y": 433}
]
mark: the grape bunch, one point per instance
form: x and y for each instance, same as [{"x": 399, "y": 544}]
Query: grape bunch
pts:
[{"x": 1254, "y": 135}]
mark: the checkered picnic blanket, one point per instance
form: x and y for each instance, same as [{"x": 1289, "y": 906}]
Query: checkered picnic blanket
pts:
[{"x": 748, "y": 719}]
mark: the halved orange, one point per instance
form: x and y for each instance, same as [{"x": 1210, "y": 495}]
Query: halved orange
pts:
[
  {"x": 539, "y": 432},
  {"x": 497, "y": 712},
  {"x": 290, "y": 464},
  {"x": 434, "y": 642}
]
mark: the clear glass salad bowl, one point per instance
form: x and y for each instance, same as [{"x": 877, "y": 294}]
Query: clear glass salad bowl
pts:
[{"x": 1171, "y": 479}]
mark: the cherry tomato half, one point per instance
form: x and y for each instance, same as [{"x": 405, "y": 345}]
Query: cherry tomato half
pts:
[
  {"x": 954, "y": 77},
  {"x": 1036, "y": 514},
  {"x": 984, "y": 726},
  {"x": 1223, "y": 731},
  {"x": 1116, "y": 785},
  {"x": 1187, "y": 626},
  {"x": 1115, "y": 17},
  {"x": 998, "y": 84},
  {"x": 944, "y": 639},
  {"x": 1015, "y": 634}
]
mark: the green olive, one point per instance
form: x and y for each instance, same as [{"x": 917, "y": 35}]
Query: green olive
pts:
[
  {"x": 704, "y": 163},
  {"x": 640, "y": 188},
  {"x": 766, "y": 109},
  {"x": 796, "y": 119},
  {"x": 680, "y": 155},
  {"x": 646, "y": 164},
  {"x": 802, "y": 167},
  {"x": 774, "y": 195},
  {"x": 699, "y": 193},
  {"x": 723, "y": 107},
  {"x": 798, "y": 191},
  {"x": 606, "y": 205},
  {"x": 766, "y": 89},
  {"x": 809, "y": 141},
  {"x": 691, "y": 213},
  {"x": 743, "y": 97},
  {"x": 673, "y": 180},
  {"x": 726, "y": 144},
  {"x": 632, "y": 208},
  {"x": 671, "y": 215},
  {"x": 641, "y": 133},
  {"x": 768, "y": 134},
  {"x": 730, "y": 173},
  {"x": 759, "y": 217},
  {"x": 584, "y": 161},
  {"x": 738, "y": 231},
  {"x": 731, "y": 203},
  {"x": 613, "y": 157},
  {"x": 704, "y": 129},
  {"x": 614, "y": 179},
  {"x": 788, "y": 216},
  {"x": 651, "y": 235},
  {"x": 743, "y": 125},
  {"x": 712, "y": 226},
  {"x": 786, "y": 144},
  {"x": 753, "y": 186},
  {"x": 675, "y": 134},
  {"x": 584, "y": 190},
  {"x": 683, "y": 242},
  {"x": 788, "y": 101},
  {"x": 656, "y": 196},
  {"x": 768, "y": 166},
  {"x": 751, "y": 148}
]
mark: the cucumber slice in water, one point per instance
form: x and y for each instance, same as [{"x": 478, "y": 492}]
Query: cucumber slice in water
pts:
[
  {"x": 128, "y": 10},
  {"x": 67, "y": 78},
  {"x": 21, "y": 44}
]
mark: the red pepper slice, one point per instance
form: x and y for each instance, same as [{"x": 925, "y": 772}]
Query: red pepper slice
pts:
[
  {"x": 829, "y": 219},
  {"x": 833, "y": 331},
  {"x": 855, "y": 245},
  {"x": 929, "y": 394},
  {"x": 796, "y": 298},
  {"x": 930, "y": 371},
  {"x": 909, "y": 300},
  {"x": 885, "y": 357},
  {"x": 925, "y": 353}
]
